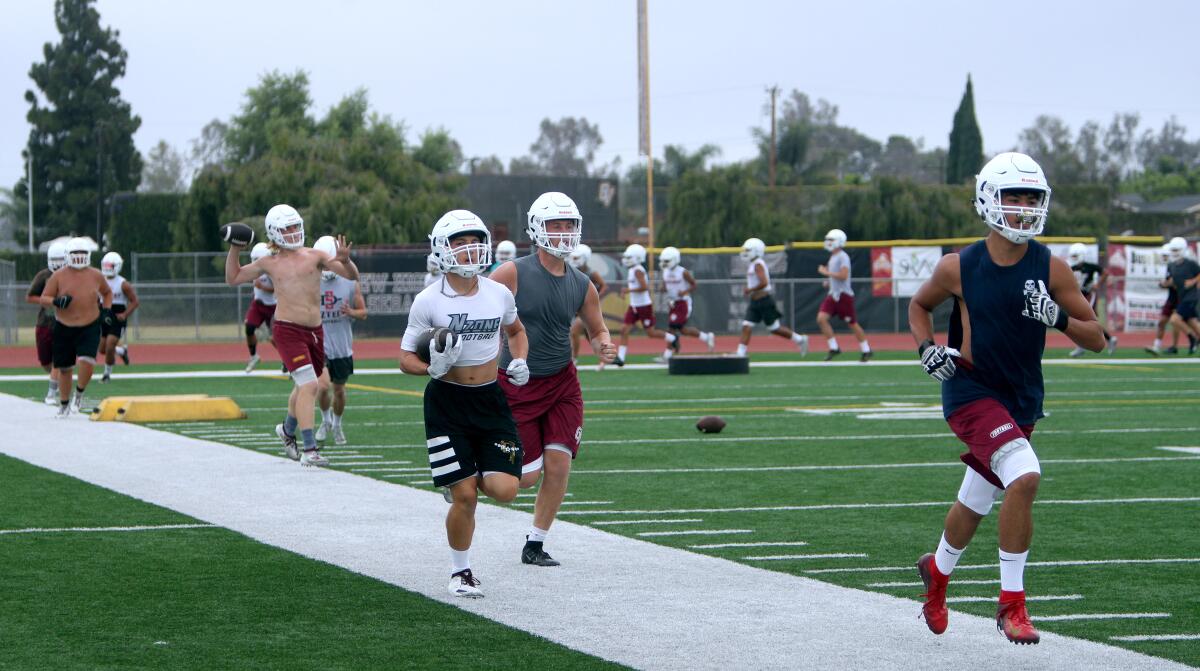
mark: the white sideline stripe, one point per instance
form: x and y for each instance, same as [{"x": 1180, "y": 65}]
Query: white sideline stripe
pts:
[
  {"x": 568, "y": 503},
  {"x": 380, "y": 463},
  {"x": 348, "y": 457},
  {"x": 616, "y": 522},
  {"x": 1075, "y": 562},
  {"x": 533, "y": 495},
  {"x": 852, "y": 506},
  {"x": 699, "y": 440},
  {"x": 1156, "y": 637},
  {"x": 695, "y": 532},
  {"x": 156, "y": 527},
  {"x": 992, "y": 599},
  {"x": 1097, "y": 616},
  {"x": 921, "y": 584},
  {"x": 362, "y": 524},
  {"x": 835, "y": 555},
  {"x": 407, "y": 471},
  {"x": 854, "y": 467},
  {"x": 1185, "y": 450},
  {"x": 714, "y": 546}
]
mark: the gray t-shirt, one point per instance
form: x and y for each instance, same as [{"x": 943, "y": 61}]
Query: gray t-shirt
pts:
[
  {"x": 1181, "y": 271},
  {"x": 547, "y": 304},
  {"x": 339, "y": 340},
  {"x": 838, "y": 288}
]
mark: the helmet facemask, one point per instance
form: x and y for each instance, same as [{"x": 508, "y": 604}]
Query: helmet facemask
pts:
[
  {"x": 1030, "y": 220},
  {"x": 465, "y": 259},
  {"x": 558, "y": 243}
]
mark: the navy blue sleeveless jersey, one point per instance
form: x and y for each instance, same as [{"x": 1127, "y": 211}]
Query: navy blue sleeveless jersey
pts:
[{"x": 1006, "y": 347}]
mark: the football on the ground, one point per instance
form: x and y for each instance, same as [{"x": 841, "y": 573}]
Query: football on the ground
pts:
[
  {"x": 237, "y": 234},
  {"x": 445, "y": 338},
  {"x": 710, "y": 424}
]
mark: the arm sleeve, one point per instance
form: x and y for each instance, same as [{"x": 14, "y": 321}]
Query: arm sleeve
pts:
[
  {"x": 418, "y": 323},
  {"x": 510, "y": 306}
]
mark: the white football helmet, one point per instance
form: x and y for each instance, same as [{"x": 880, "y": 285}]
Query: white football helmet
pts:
[
  {"x": 552, "y": 206},
  {"x": 753, "y": 249},
  {"x": 506, "y": 250},
  {"x": 1176, "y": 249},
  {"x": 56, "y": 255},
  {"x": 635, "y": 255},
  {"x": 835, "y": 239},
  {"x": 1076, "y": 253},
  {"x": 259, "y": 251},
  {"x": 111, "y": 264},
  {"x": 285, "y": 218},
  {"x": 328, "y": 245},
  {"x": 79, "y": 253},
  {"x": 1012, "y": 171},
  {"x": 1164, "y": 254},
  {"x": 668, "y": 258},
  {"x": 465, "y": 260},
  {"x": 432, "y": 265},
  {"x": 581, "y": 256}
]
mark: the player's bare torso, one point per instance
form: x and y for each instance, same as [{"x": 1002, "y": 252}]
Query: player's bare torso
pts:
[{"x": 297, "y": 283}]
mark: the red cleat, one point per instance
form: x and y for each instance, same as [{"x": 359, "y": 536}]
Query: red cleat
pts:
[
  {"x": 934, "y": 609},
  {"x": 1013, "y": 620}
]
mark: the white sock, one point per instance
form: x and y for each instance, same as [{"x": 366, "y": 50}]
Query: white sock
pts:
[
  {"x": 621, "y": 352},
  {"x": 54, "y": 386},
  {"x": 798, "y": 338},
  {"x": 833, "y": 346},
  {"x": 537, "y": 535},
  {"x": 864, "y": 346},
  {"x": 707, "y": 336},
  {"x": 107, "y": 369},
  {"x": 1157, "y": 343},
  {"x": 121, "y": 350},
  {"x": 337, "y": 419},
  {"x": 667, "y": 353},
  {"x": 741, "y": 350},
  {"x": 327, "y": 416},
  {"x": 1012, "y": 571},
  {"x": 670, "y": 338},
  {"x": 946, "y": 556},
  {"x": 460, "y": 560}
]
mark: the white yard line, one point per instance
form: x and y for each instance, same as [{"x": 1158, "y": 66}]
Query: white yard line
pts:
[
  {"x": 1156, "y": 637},
  {"x": 694, "y": 532},
  {"x": 968, "y": 567},
  {"x": 567, "y": 503},
  {"x": 714, "y": 546},
  {"x": 992, "y": 599},
  {"x": 1185, "y": 450},
  {"x": 690, "y": 520},
  {"x": 853, "y": 506},
  {"x": 833, "y": 555},
  {"x": 854, "y": 467},
  {"x": 751, "y": 618},
  {"x": 156, "y": 527},
  {"x": 1097, "y": 616},
  {"x": 957, "y": 581}
]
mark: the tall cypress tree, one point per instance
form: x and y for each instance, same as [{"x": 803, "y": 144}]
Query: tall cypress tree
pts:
[
  {"x": 965, "y": 156},
  {"x": 82, "y": 135}
]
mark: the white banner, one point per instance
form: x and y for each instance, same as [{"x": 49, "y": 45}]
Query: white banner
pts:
[
  {"x": 1144, "y": 269},
  {"x": 911, "y": 266}
]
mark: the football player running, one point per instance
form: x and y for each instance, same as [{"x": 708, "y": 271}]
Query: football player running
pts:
[
  {"x": 1164, "y": 318},
  {"x": 433, "y": 269},
  {"x": 1090, "y": 277},
  {"x": 262, "y": 308},
  {"x": 124, "y": 302},
  {"x": 641, "y": 304},
  {"x": 1184, "y": 275},
  {"x": 341, "y": 301},
  {"x": 1007, "y": 290},
  {"x": 506, "y": 250},
  {"x": 550, "y": 293},
  {"x": 840, "y": 301},
  {"x": 470, "y": 434},
  {"x": 72, "y": 292},
  {"x": 680, "y": 285},
  {"x": 43, "y": 331},
  {"x": 762, "y": 303},
  {"x": 295, "y": 272},
  {"x": 581, "y": 259}
]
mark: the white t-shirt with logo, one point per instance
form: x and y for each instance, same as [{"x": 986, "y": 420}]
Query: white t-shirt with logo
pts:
[
  {"x": 676, "y": 284},
  {"x": 476, "y": 318},
  {"x": 637, "y": 299}
]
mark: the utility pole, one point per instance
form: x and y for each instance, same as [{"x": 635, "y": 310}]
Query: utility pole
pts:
[
  {"x": 774, "y": 90},
  {"x": 644, "y": 126},
  {"x": 29, "y": 194}
]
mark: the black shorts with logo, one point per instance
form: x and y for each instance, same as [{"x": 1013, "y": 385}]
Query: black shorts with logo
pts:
[
  {"x": 469, "y": 430},
  {"x": 72, "y": 342},
  {"x": 118, "y": 327},
  {"x": 340, "y": 370},
  {"x": 762, "y": 310}
]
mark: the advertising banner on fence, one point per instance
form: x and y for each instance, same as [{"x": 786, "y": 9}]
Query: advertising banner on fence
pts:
[
  {"x": 911, "y": 266},
  {"x": 881, "y": 271},
  {"x": 1134, "y": 297}
]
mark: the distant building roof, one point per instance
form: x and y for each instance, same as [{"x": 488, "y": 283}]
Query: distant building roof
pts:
[{"x": 1133, "y": 202}]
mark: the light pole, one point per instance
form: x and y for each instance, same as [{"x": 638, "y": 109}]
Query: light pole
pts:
[
  {"x": 29, "y": 193},
  {"x": 100, "y": 124}
]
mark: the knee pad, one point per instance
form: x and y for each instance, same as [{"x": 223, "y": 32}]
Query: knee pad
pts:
[
  {"x": 1014, "y": 459},
  {"x": 977, "y": 493},
  {"x": 304, "y": 375},
  {"x": 774, "y": 326},
  {"x": 250, "y": 330}
]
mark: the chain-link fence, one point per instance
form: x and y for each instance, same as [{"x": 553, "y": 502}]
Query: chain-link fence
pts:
[{"x": 9, "y": 300}]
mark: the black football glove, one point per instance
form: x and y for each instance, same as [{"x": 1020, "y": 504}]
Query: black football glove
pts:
[
  {"x": 106, "y": 317},
  {"x": 62, "y": 301}
]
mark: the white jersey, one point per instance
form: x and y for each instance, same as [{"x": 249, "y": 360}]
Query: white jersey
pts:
[
  {"x": 265, "y": 297},
  {"x": 339, "y": 339},
  {"x": 837, "y": 288},
  {"x": 117, "y": 285},
  {"x": 430, "y": 278},
  {"x": 476, "y": 319},
  {"x": 675, "y": 284},
  {"x": 637, "y": 299},
  {"x": 752, "y": 276}
]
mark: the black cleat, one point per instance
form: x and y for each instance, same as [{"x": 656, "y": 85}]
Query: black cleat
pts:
[
  {"x": 1171, "y": 350},
  {"x": 124, "y": 356},
  {"x": 675, "y": 343},
  {"x": 619, "y": 362},
  {"x": 866, "y": 356},
  {"x": 533, "y": 554},
  {"x": 832, "y": 353}
]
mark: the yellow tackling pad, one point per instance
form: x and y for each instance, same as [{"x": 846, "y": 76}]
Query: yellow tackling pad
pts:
[{"x": 167, "y": 408}]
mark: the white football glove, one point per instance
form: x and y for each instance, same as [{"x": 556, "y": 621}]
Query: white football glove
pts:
[
  {"x": 938, "y": 362},
  {"x": 1040, "y": 306},
  {"x": 441, "y": 362},
  {"x": 518, "y": 372}
]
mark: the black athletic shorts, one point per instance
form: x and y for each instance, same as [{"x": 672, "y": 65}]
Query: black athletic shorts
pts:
[
  {"x": 762, "y": 310},
  {"x": 71, "y": 342},
  {"x": 118, "y": 327},
  {"x": 469, "y": 430},
  {"x": 340, "y": 370}
]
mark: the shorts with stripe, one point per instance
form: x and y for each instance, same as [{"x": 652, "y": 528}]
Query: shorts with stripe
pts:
[{"x": 469, "y": 430}]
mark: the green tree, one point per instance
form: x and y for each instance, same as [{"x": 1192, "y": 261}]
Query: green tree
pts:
[
  {"x": 279, "y": 103},
  {"x": 82, "y": 135},
  {"x": 438, "y": 151},
  {"x": 164, "y": 170},
  {"x": 564, "y": 148},
  {"x": 965, "y": 155}
]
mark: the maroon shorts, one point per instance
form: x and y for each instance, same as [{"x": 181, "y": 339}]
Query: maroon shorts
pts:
[
  {"x": 299, "y": 346},
  {"x": 259, "y": 313},
  {"x": 680, "y": 311},
  {"x": 643, "y": 315},
  {"x": 547, "y": 410},
  {"x": 843, "y": 307},
  {"x": 1169, "y": 307},
  {"x": 44, "y": 335},
  {"x": 985, "y": 426}
]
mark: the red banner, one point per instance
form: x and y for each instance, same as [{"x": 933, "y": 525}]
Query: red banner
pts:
[{"x": 881, "y": 271}]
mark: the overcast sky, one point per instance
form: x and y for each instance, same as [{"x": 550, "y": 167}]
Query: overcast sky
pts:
[{"x": 490, "y": 70}]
